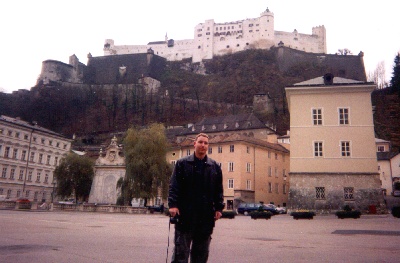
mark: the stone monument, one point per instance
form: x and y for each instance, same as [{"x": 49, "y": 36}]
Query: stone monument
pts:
[{"x": 109, "y": 168}]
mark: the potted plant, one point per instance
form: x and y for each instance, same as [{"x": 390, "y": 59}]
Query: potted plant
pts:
[
  {"x": 228, "y": 214},
  {"x": 396, "y": 211},
  {"x": 348, "y": 212},
  {"x": 260, "y": 214},
  {"x": 302, "y": 214}
]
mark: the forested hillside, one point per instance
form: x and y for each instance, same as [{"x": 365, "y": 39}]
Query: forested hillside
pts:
[{"x": 225, "y": 85}]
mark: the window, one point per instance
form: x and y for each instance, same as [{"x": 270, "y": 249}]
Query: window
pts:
[
  {"x": 43, "y": 140},
  {"x": 276, "y": 172},
  {"x": 219, "y": 149},
  {"x": 209, "y": 150},
  {"x": 173, "y": 163},
  {"x": 21, "y": 175},
  {"x": 26, "y": 137},
  {"x": 30, "y": 176},
  {"x": 232, "y": 148},
  {"x": 9, "y": 191},
  {"x": 248, "y": 149},
  {"x": 38, "y": 177},
  {"x": 269, "y": 171},
  {"x": 284, "y": 173},
  {"x": 344, "y": 116},
  {"x": 318, "y": 149},
  {"x": 12, "y": 173},
  {"x": 248, "y": 185},
  {"x": 276, "y": 188},
  {"x": 349, "y": 193},
  {"x": 23, "y": 155},
  {"x": 4, "y": 173},
  {"x": 276, "y": 156},
  {"x": 35, "y": 196},
  {"x": 55, "y": 161},
  {"x": 27, "y": 193},
  {"x": 32, "y": 157},
  {"x": 48, "y": 159},
  {"x": 18, "y": 193},
  {"x": 7, "y": 152},
  {"x": 270, "y": 187},
  {"x": 188, "y": 152},
  {"x": 381, "y": 148},
  {"x": 345, "y": 148},
  {"x": 248, "y": 167},
  {"x": 40, "y": 157},
  {"x": 230, "y": 183},
  {"x": 230, "y": 167},
  {"x": 317, "y": 116},
  {"x": 320, "y": 192},
  {"x": 15, "y": 153},
  {"x": 269, "y": 155},
  {"x": 284, "y": 189}
]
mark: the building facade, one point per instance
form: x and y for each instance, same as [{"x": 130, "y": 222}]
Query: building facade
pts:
[
  {"x": 333, "y": 153},
  {"x": 215, "y": 39},
  {"x": 255, "y": 167},
  {"x": 29, "y": 155}
]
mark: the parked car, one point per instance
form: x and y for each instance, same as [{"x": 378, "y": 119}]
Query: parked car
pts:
[
  {"x": 272, "y": 208},
  {"x": 70, "y": 201},
  {"x": 247, "y": 208},
  {"x": 282, "y": 210}
]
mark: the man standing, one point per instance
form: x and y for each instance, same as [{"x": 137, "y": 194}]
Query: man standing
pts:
[{"x": 196, "y": 197}]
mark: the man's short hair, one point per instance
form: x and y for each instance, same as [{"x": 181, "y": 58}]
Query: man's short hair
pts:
[{"x": 201, "y": 135}]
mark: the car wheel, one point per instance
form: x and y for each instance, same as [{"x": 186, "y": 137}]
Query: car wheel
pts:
[{"x": 246, "y": 213}]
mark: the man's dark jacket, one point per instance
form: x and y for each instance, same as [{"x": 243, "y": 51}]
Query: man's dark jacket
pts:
[{"x": 182, "y": 191}]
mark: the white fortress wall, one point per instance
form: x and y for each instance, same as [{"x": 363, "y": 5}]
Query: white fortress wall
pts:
[{"x": 212, "y": 39}]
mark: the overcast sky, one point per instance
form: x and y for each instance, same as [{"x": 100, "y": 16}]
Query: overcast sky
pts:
[{"x": 34, "y": 31}]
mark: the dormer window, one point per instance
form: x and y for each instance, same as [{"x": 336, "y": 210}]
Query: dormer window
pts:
[
  {"x": 249, "y": 124},
  {"x": 225, "y": 126},
  {"x": 214, "y": 127},
  {"x": 236, "y": 125},
  {"x": 203, "y": 128}
]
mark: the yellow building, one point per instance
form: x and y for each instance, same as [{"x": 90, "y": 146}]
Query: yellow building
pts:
[
  {"x": 332, "y": 145},
  {"x": 255, "y": 167}
]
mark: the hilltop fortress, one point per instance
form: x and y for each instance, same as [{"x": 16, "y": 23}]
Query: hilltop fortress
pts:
[{"x": 214, "y": 39}]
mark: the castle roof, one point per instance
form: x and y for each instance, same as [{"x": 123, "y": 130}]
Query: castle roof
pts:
[{"x": 237, "y": 122}]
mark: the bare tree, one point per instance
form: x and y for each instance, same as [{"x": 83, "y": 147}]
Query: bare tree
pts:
[{"x": 379, "y": 76}]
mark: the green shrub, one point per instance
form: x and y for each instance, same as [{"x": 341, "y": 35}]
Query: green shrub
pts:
[
  {"x": 228, "y": 214},
  {"x": 258, "y": 214},
  {"x": 303, "y": 214},
  {"x": 348, "y": 214}
]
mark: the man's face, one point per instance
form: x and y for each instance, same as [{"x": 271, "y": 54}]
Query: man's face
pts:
[{"x": 201, "y": 146}]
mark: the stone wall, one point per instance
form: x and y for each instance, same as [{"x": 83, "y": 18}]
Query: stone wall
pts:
[{"x": 302, "y": 193}]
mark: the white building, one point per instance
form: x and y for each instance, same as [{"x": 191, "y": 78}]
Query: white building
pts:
[
  {"x": 388, "y": 165},
  {"x": 212, "y": 39},
  {"x": 28, "y": 156}
]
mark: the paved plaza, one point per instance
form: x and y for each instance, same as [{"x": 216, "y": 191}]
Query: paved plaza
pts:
[{"x": 33, "y": 236}]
